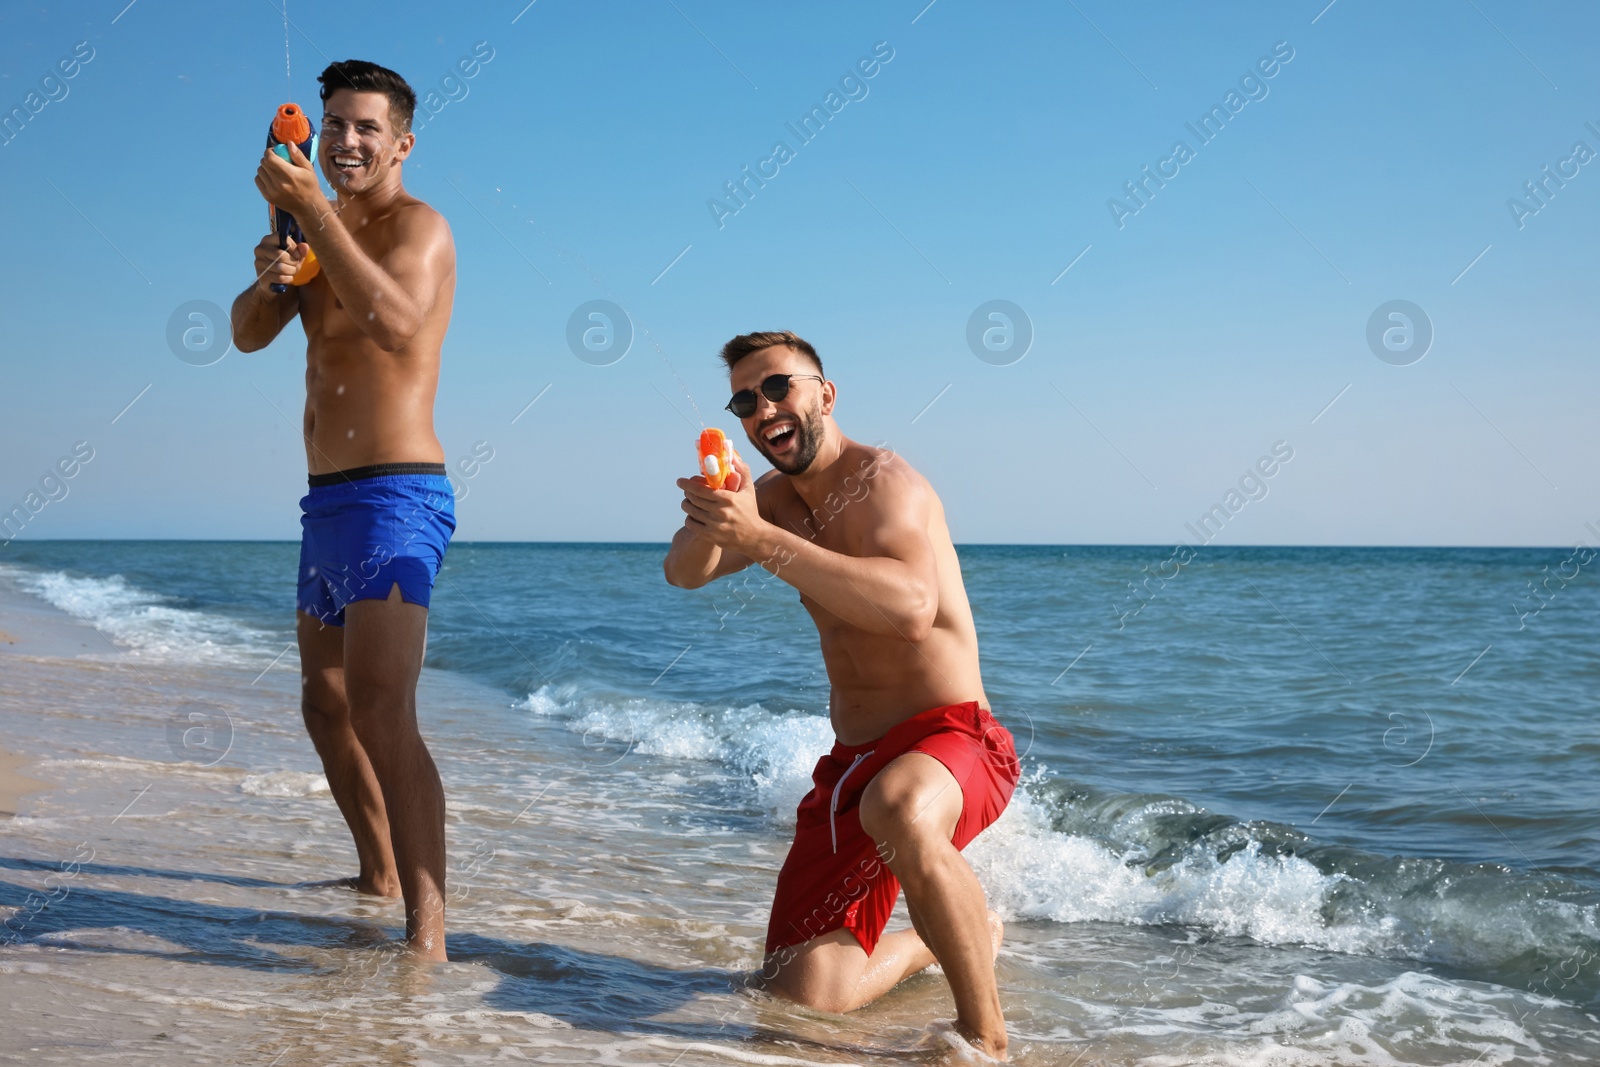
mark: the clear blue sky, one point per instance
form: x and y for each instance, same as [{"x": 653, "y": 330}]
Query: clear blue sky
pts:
[{"x": 1220, "y": 318}]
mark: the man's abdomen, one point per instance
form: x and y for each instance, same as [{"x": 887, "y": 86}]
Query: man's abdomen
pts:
[
  {"x": 361, "y": 415},
  {"x": 878, "y": 682}
]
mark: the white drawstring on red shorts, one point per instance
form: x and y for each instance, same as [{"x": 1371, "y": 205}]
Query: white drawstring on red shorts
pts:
[{"x": 833, "y": 808}]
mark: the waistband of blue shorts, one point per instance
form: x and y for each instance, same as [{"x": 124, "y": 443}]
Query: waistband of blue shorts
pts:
[{"x": 376, "y": 470}]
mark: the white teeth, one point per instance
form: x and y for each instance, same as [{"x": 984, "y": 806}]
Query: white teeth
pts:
[{"x": 773, "y": 432}]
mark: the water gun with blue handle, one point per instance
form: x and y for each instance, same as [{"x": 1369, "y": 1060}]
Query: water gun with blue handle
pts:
[{"x": 291, "y": 127}]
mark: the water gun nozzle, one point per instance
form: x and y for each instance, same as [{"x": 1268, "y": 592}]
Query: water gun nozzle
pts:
[{"x": 290, "y": 125}]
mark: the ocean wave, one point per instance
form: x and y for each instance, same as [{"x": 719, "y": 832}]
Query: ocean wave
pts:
[
  {"x": 1035, "y": 871},
  {"x": 1066, "y": 852},
  {"x": 145, "y": 624},
  {"x": 774, "y": 752},
  {"x": 1072, "y": 854}
]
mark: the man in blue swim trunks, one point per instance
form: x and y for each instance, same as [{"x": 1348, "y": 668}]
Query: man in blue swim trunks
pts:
[{"x": 380, "y": 510}]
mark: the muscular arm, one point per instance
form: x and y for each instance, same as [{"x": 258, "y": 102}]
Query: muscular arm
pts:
[
  {"x": 887, "y": 585},
  {"x": 258, "y": 314},
  {"x": 388, "y": 298},
  {"x": 890, "y": 588},
  {"x": 694, "y": 559}
]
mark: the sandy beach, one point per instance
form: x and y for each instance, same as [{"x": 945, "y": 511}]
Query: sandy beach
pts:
[
  {"x": 162, "y": 903},
  {"x": 44, "y": 631},
  {"x": 15, "y": 783}
]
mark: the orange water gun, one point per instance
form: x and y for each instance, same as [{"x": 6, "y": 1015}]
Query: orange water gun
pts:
[
  {"x": 291, "y": 127},
  {"x": 716, "y": 457}
]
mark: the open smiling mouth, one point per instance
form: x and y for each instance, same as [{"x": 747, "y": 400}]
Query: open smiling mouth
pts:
[
  {"x": 350, "y": 164},
  {"x": 780, "y": 436}
]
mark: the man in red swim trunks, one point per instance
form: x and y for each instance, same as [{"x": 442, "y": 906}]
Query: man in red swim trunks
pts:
[{"x": 920, "y": 766}]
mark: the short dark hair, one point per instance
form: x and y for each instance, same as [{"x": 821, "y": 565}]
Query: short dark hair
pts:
[
  {"x": 746, "y": 343},
  {"x": 360, "y": 76}
]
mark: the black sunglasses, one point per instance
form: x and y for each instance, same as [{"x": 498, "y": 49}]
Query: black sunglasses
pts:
[{"x": 774, "y": 388}]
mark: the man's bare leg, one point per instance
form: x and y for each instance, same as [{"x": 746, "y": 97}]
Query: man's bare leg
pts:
[
  {"x": 997, "y": 930},
  {"x": 344, "y": 761},
  {"x": 911, "y": 809},
  {"x": 833, "y": 972},
  {"x": 383, "y": 646}
]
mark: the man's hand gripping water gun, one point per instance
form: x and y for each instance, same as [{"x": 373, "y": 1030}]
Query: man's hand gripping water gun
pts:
[
  {"x": 721, "y": 502},
  {"x": 292, "y": 140}
]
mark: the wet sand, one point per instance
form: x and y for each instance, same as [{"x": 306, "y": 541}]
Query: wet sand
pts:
[
  {"x": 15, "y": 784},
  {"x": 31, "y": 628}
]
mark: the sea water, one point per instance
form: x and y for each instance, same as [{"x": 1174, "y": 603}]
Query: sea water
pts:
[{"x": 1280, "y": 805}]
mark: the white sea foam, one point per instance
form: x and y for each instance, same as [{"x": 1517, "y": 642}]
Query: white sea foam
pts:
[
  {"x": 774, "y": 752},
  {"x": 146, "y": 624},
  {"x": 284, "y": 784},
  {"x": 1036, "y": 872},
  {"x": 1319, "y": 1023}
]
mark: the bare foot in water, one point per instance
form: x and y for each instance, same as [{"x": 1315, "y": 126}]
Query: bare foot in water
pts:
[
  {"x": 957, "y": 1042},
  {"x": 953, "y": 1046},
  {"x": 365, "y": 886}
]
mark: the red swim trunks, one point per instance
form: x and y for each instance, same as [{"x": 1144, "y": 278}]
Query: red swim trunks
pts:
[{"x": 834, "y": 877}]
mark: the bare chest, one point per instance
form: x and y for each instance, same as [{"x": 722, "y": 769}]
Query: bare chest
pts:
[{"x": 321, "y": 310}]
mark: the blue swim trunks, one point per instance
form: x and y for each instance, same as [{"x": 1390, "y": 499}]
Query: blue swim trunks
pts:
[{"x": 369, "y": 528}]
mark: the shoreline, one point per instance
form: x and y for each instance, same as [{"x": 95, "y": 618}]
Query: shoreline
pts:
[
  {"x": 32, "y": 628},
  {"x": 15, "y": 785},
  {"x": 610, "y": 863}
]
